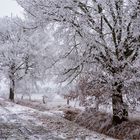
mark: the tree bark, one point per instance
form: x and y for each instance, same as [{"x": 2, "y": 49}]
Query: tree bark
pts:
[
  {"x": 12, "y": 90},
  {"x": 12, "y": 82},
  {"x": 68, "y": 101},
  {"x": 120, "y": 111}
]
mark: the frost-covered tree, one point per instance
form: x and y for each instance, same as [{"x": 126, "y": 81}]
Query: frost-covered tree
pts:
[
  {"x": 101, "y": 33},
  {"x": 22, "y": 53},
  {"x": 14, "y": 60},
  {"x": 14, "y": 56}
]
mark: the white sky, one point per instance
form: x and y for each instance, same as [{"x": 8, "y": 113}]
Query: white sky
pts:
[{"x": 8, "y": 7}]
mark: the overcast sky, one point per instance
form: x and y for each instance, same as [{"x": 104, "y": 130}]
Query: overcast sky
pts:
[{"x": 8, "y": 7}]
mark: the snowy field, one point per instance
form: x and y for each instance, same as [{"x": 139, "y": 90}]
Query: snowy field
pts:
[
  {"x": 53, "y": 101},
  {"x": 19, "y": 122},
  {"x": 44, "y": 122}
]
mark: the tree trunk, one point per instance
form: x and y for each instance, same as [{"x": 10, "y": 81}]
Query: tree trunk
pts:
[
  {"x": 68, "y": 101},
  {"x": 120, "y": 111},
  {"x": 12, "y": 81},
  {"x": 12, "y": 90}
]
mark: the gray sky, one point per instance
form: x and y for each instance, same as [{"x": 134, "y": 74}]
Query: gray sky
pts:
[{"x": 8, "y": 7}]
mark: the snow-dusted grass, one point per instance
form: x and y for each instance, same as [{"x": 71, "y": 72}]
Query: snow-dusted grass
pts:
[
  {"x": 59, "y": 101},
  {"x": 102, "y": 123},
  {"x": 22, "y": 122},
  {"x": 36, "y": 111}
]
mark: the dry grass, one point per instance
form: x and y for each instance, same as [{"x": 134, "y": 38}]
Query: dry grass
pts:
[
  {"x": 96, "y": 121},
  {"x": 70, "y": 114},
  {"x": 33, "y": 104},
  {"x": 102, "y": 123}
]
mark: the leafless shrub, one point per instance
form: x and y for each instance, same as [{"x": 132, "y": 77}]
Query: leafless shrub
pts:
[
  {"x": 71, "y": 96},
  {"x": 89, "y": 92},
  {"x": 71, "y": 113}
]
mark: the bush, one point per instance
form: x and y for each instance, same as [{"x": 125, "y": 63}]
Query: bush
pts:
[
  {"x": 102, "y": 123},
  {"x": 71, "y": 113}
]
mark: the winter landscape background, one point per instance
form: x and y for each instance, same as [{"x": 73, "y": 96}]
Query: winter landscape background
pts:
[{"x": 69, "y": 69}]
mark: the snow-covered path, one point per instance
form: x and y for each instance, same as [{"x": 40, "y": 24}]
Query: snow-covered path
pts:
[{"x": 23, "y": 123}]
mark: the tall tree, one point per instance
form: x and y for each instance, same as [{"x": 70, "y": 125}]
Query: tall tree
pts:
[{"x": 104, "y": 33}]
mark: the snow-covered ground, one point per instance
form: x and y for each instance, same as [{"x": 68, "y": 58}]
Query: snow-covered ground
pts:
[{"x": 19, "y": 122}]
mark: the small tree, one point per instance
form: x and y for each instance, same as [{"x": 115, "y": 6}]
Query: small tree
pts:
[{"x": 16, "y": 59}]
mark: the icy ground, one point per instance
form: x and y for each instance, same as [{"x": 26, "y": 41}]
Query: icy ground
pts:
[{"x": 18, "y": 122}]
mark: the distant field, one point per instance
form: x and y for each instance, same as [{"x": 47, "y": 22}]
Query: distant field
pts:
[{"x": 54, "y": 100}]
